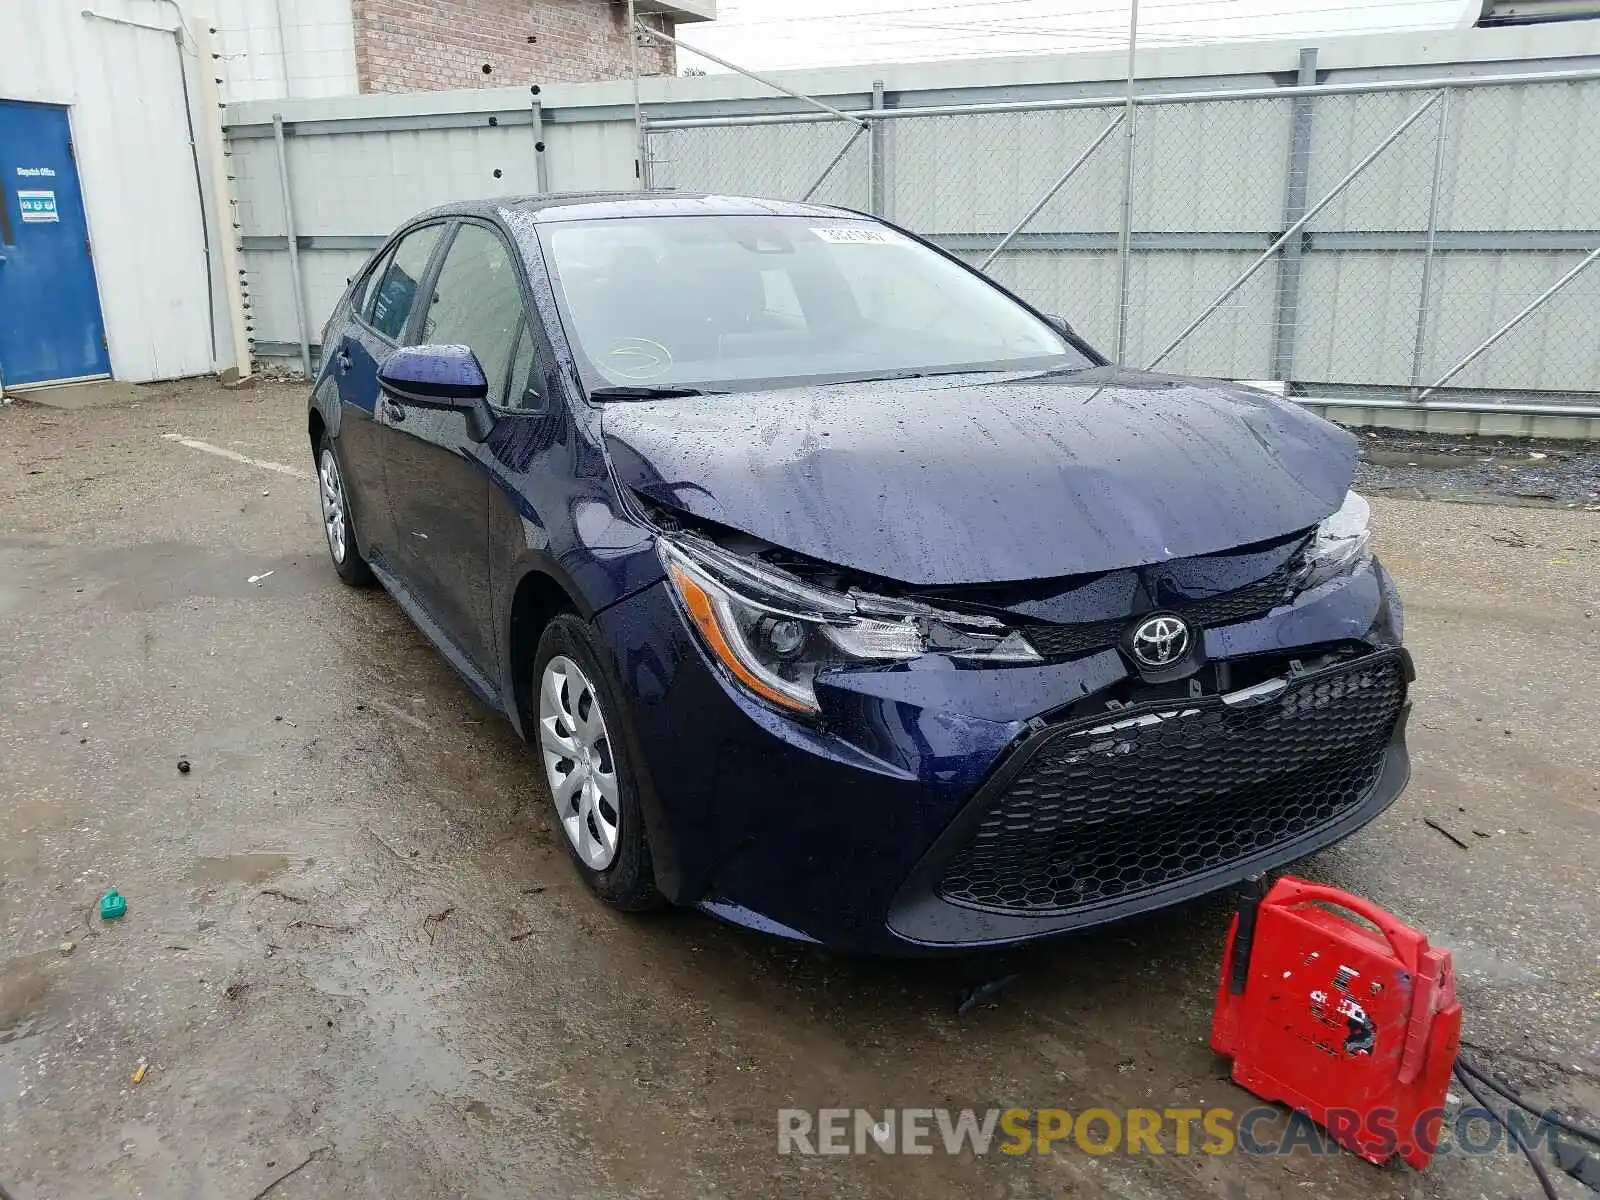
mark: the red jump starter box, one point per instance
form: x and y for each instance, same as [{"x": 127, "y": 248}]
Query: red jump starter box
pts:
[{"x": 1359, "y": 1029}]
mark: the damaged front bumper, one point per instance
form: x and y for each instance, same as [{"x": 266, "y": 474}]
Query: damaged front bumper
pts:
[{"x": 893, "y": 822}]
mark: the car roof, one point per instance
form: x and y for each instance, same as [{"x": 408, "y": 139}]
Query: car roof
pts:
[{"x": 594, "y": 206}]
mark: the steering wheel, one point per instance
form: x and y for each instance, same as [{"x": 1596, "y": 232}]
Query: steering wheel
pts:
[{"x": 637, "y": 358}]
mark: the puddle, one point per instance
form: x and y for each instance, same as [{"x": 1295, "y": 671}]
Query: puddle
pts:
[
  {"x": 152, "y": 575},
  {"x": 24, "y": 984},
  {"x": 238, "y": 868}
]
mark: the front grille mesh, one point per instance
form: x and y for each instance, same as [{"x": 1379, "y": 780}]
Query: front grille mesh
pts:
[
  {"x": 1101, "y": 814},
  {"x": 1242, "y": 604}
]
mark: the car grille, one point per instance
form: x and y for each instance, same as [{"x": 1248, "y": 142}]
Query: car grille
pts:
[
  {"x": 1104, "y": 811},
  {"x": 1242, "y": 604}
]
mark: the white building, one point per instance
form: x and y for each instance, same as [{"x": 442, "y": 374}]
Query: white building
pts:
[{"x": 118, "y": 246}]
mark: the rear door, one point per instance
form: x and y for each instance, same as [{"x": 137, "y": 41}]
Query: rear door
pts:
[
  {"x": 381, "y": 307},
  {"x": 438, "y": 477},
  {"x": 50, "y": 327}
]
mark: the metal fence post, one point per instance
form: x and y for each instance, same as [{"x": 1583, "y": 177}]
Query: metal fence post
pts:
[
  {"x": 1125, "y": 229},
  {"x": 294, "y": 246},
  {"x": 641, "y": 145},
  {"x": 1428, "y": 250},
  {"x": 1294, "y": 207},
  {"x": 876, "y": 152},
  {"x": 541, "y": 167}
]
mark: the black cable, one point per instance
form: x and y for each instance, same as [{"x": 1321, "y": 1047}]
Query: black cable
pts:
[
  {"x": 1512, "y": 1095},
  {"x": 199, "y": 191},
  {"x": 1515, "y": 1134}
]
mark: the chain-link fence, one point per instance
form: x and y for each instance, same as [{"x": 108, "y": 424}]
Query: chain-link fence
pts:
[{"x": 1403, "y": 238}]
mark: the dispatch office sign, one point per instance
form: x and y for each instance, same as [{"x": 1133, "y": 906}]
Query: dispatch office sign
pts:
[{"x": 37, "y": 206}]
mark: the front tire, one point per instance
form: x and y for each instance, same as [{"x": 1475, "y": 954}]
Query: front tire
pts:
[
  {"x": 579, "y": 731},
  {"x": 336, "y": 523}
]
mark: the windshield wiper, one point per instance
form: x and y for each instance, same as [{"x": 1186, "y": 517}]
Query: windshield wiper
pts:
[
  {"x": 1060, "y": 372},
  {"x": 636, "y": 392}
]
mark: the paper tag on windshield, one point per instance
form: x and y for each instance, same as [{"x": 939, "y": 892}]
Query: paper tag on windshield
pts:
[{"x": 853, "y": 235}]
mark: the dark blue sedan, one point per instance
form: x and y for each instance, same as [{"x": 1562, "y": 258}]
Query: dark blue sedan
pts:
[{"x": 842, "y": 593}]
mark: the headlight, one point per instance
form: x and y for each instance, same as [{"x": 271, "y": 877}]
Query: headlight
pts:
[
  {"x": 774, "y": 632},
  {"x": 1342, "y": 542}
]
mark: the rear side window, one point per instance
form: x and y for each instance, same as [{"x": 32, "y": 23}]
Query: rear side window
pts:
[
  {"x": 388, "y": 306},
  {"x": 362, "y": 292},
  {"x": 478, "y": 303}
]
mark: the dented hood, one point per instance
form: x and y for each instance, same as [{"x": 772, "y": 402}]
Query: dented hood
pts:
[{"x": 950, "y": 480}]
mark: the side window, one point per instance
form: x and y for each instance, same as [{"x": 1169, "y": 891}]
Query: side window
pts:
[
  {"x": 388, "y": 306},
  {"x": 362, "y": 292},
  {"x": 478, "y": 303},
  {"x": 524, "y": 391}
]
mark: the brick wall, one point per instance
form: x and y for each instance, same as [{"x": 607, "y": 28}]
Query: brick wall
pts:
[{"x": 437, "y": 45}]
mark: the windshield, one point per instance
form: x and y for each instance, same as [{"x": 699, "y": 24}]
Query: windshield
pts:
[{"x": 728, "y": 302}]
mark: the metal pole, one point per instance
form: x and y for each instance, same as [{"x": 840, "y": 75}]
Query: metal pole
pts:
[
  {"x": 541, "y": 166},
  {"x": 1338, "y": 190},
  {"x": 1433, "y": 236},
  {"x": 1125, "y": 231},
  {"x": 1294, "y": 205},
  {"x": 294, "y": 245},
  {"x": 838, "y": 158},
  {"x": 1512, "y": 324},
  {"x": 641, "y": 146},
  {"x": 1050, "y": 192},
  {"x": 761, "y": 79},
  {"x": 877, "y": 162}
]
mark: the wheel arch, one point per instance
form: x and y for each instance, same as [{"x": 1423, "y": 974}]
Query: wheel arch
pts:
[{"x": 538, "y": 598}]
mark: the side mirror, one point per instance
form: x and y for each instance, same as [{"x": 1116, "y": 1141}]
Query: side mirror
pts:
[{"x": 444, "y": 378}]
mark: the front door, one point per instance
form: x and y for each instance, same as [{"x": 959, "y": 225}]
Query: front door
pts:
[
  {"x": 438, "y": 477},
  {"x": 380, "y": 311},
  {"x": 50, "y": 325}
]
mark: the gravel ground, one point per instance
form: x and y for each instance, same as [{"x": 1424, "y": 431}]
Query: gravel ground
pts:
[
  {"x": 1502, "y": 470},
  {"x": 356, "y": 964}
]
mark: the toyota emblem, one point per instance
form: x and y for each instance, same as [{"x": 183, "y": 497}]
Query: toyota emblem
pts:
[{"x": 1160, "y": 642}]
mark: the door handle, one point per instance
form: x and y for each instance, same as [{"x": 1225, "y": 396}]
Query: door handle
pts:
[
  {"x": 342, "y": 360},
  {"x": 393, "y": 411}
]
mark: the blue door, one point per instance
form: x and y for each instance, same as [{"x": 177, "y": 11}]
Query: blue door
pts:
[{"x": 50, "y": 325}]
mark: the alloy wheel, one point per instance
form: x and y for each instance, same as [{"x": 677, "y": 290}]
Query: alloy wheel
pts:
[
  {"x": 332, "y": 503},
  {"x": 578, "y": 762}
]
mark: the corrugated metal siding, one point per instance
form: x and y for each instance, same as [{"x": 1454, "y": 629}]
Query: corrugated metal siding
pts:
[
  {"x": 775, "y": 160},
  {"x": 1212, "y": 174}
]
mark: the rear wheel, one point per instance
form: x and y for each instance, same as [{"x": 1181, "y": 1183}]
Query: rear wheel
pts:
[
  {"x": 336, "y": 524},
  {"x": 593, "y": 787}
]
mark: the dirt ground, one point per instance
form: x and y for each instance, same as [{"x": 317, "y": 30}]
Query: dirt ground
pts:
[{"x": 356, "y": 963}]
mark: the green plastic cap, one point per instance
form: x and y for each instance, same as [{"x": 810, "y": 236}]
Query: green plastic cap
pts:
[{"x": 112, "y": 905}]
